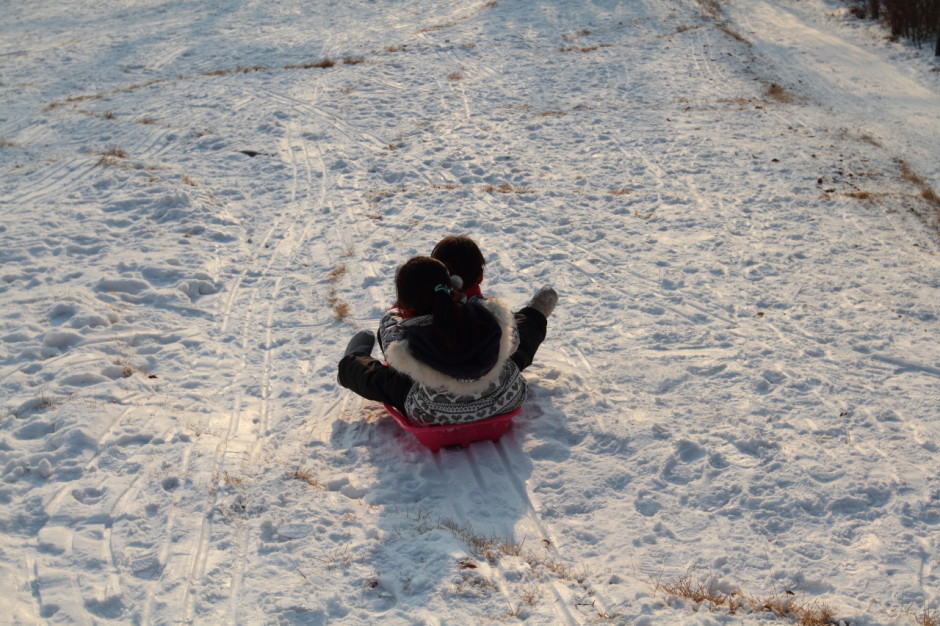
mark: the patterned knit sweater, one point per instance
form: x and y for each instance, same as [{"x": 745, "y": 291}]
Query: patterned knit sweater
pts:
[{"x": 473, "y": 386}]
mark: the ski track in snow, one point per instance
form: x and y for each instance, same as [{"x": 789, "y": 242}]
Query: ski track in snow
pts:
[{"x": 740, "y": 381}]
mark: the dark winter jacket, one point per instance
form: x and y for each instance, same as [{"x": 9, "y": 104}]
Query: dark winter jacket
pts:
[{"x": 480, "y": 383}]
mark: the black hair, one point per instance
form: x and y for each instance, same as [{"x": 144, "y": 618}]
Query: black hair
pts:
[
  {"x": 423, "y": 286},
  {"x": 462, "y": 257}
]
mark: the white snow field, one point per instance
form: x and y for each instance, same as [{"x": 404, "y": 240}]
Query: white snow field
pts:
[{"x": 740, "y": 387}]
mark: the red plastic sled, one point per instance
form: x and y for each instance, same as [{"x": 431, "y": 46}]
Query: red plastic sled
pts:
[{"x": 438, "y": 436}]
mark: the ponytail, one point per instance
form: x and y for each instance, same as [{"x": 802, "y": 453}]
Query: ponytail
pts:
[
  {"x": 424, "y": 286},
  {"x": 448, "y": 320}
]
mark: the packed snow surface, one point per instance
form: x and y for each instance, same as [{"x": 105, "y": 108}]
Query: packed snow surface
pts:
[{"x": 740, "y": 388}]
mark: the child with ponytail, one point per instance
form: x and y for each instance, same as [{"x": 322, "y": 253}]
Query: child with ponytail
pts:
[{"x": 450, "y": 359}]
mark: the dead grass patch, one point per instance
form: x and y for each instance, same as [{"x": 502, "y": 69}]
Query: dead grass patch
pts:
[
  {"x": 790, "y": 605},
  {"x": 340, "y": 306},
  {"x": 306, "y": 476},
  {"x": 621, "y": 191},
  {"x": 353, "y": 60},
  {"x": 862, "y": 195},
  {"x": 778, "y": 93},
  {"x": 927, "y": 617},
  {"x": 112, "y": 156},
  {"x": 321, "y": 64},
  {"x": 492, "y": 548},
  {"x": 734, "y": 34},
  {"x": 741, "y": 102},
  {"x": 455, "y": 76},
  {"x": 908, "y": 174},
  {"x": 230, "y": 480},
  {"x": 711, "y": 8},
  {"x": 584, "y": 32},
  {"x": 926, "y": 192},
  {"x": 585, "y": 48},
  {"x": 397, "y": 48},
  {"x": 6, "y": 144},
  {"x": 437, "y": 27},
  {"x": 506, "y": 188},
  {"x": 551, "y": 114},
  {"x": 340, "y": 310}
]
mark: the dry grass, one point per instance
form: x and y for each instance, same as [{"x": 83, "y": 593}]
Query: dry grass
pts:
[
  {"x": 437, "y": 27},
  {"x": 230, "y": 480},
  {"x": 306, "y": 476},
  {"x": 909, "y": 175},
  {"x": 551, "y": 114},
  {"x": 778, "y": 93},
  {"x": 397, "y": 48},
  {"x": 455, "y": 76},
  {"x": 340, "y": 306},
  {"x": 128, "y": 369},
  {"x": 788, "y": 606},
  {"x": 926, "y": 192},
  {"x": 322, "y": 63},
  {"x": 492, "y": 548},
  {"x": 622, "y": 191},
  {"x": 6, "y": 144},
  {"x": 37, "y": 404},
  {"x": 506, "y": 188},
  {"x": 112, "y": 157},
  {"x": 585, "y": 48},
  {"x": 711, "y": 8},
  {"x": 927, "y": 617},
  {"x": 734, "y": 34},
  {"x": 340, "y": 310}
]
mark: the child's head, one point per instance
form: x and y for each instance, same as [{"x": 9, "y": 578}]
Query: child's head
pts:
[
  {"x": 424, "y": 288},
  {"x": 463, "y": 258},
  {"x": 417, "y": 283}
]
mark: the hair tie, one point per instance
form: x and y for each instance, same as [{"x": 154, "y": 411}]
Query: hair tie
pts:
[{"x": 445, "y": 288}]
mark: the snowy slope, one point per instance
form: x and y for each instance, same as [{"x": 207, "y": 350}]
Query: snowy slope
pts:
[{"x": 740, "y": 384}]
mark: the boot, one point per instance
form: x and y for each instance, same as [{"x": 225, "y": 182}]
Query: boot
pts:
[
  {"x": 544, "y": 301},
  {"x": 361, "y": 343}
]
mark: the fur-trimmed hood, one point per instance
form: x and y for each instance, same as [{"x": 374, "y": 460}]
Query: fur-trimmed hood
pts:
[{"x": 399, "y": 354}]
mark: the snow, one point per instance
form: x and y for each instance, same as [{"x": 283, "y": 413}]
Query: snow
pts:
[{"x": 740, "y": 383}]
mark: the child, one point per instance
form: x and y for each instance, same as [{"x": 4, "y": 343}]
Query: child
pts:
[
  {"x": 450, "y": 360},
  {"x": 463, "y": 258}
]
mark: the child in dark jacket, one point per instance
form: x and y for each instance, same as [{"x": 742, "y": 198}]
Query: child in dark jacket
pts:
[{"x": 450, "y": 359}]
